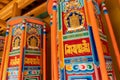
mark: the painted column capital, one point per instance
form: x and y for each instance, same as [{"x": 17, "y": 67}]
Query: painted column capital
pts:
[
  {"x": 7, "y": 30},
  {"x": 54, "y": 5},
  {"x": 104, "y": 8}
]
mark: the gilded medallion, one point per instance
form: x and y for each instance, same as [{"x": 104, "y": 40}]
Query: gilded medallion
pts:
[
  {"x": 74, "y": 20},
  {"x": 33, "y": 42}
]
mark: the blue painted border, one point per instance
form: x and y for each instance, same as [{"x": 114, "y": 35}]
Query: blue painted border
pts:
[
  {"x": 85, "y": 77},
  {"x": 93, "y": 46}
]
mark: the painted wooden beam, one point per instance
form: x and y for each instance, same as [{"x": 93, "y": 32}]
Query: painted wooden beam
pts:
[
  {"x": 38, "y": 10},
  {"x": 5, "y": 1},
  {"x": 23, "y": 3},
  {"x": 47, "y": 20},
  {"x": 16, "y": 11},
  {"x": 2, "y": 26},
  {"x": 1, "y": 5},
  {"x": 6, "y": 12}
]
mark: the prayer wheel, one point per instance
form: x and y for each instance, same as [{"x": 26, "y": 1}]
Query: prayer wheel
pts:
[
  {"x": 78, "y": 33},
  {"x": 24, "y": 49}
]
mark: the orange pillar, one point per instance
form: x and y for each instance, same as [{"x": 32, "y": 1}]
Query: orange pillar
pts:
[
  {"x": 115, "y": 46},
  {"x": 20, "y": 76},
  {"x": 44, "y": 53},
  {"x": 54, "y": 61},
  {"x": 6, "y": 58},
  {"x": 4, "y": 52},
  {"x": 97, "y": 40}
]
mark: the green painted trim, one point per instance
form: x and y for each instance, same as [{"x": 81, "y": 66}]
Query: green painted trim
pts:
[
  {"x": 59, "y": 17},
  {"x": 32, "y": 51},
  {"x": 15, "y": 52},
  {"x": 26, "y": 52},
  {"x": 31, "y": 78},
  {"x": 43, "y": 15},
  {"x": 76, "y": 35}
]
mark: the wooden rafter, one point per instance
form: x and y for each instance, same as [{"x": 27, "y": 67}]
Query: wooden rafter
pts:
[
  {"x": 6, "y": 12},
  {"x": 1, "y": 5},
  {"x": 5, "y": 1},
  {"x": 11, "y": 11},
  {"x": 2, "y": 26},
  {"x": 16, "y": 11},
  {"x": 38, "y": 10}
]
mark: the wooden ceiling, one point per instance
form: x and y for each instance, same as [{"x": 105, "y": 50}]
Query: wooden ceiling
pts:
[
  {"x": 24, "y": 7},
  {"x": 3, "y": 3}
]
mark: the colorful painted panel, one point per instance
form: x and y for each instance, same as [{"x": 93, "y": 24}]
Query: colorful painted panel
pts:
[
  {"x": 33, "y": 67},
  {"x": 16, "y": 37},
  {"x": 12, "y": 73},
  {"x": 34, "y": 36},
  {"x": 14, "y": 60},
  {"x": 25, "y": 52},
  {"x": 33, "y": 54},
  {"x": 72, "y": 14},
  {"x": 76, "y": 34},
  {"x": 32, "y": 73},
  {"x": 79, "y": 57}
]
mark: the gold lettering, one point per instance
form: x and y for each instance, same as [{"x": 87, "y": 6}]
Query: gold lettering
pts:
[
  {"x": 32, "y": 61},
  {"x": 67, "y": 49},
  {"x": 86, "y": 47},
  {"x": 77, "y": 48},
  {"x": 14, "y": 61},
  {"x": 74, "y": 49}
]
